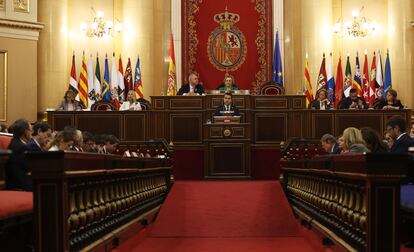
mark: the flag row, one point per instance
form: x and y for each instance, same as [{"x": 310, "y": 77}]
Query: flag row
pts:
[
  {"x": 114, "y": 86},
  {"x": 370, "y": 85}
]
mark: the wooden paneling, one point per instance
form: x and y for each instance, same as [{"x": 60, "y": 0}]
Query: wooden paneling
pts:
[
  {"x": 270, "y": 127},
  {"x": 322, "y": 123},
  {"x": 102, "y": 123},
  {"x": 186, "y": 103},
  {"x": 186, "y": 128},
  {"x": 227, "y": 159},
  {"x": 138, "y": 130},
  {"x": 358, "y": 119}
]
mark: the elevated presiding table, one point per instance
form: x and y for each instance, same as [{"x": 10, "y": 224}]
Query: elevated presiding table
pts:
[{"x": 182, "y": 120}]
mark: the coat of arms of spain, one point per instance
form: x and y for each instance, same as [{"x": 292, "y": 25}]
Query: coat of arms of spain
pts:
[{"x": 226, "y": 45}]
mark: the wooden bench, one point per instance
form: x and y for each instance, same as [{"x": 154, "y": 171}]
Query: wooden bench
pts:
[
  {"x": 87, "y": 201},
  {"x": 352, "y": 199},
  {"x": 16, "y": 207}
]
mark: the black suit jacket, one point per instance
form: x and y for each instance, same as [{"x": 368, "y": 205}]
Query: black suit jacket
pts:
[
  {"x": 345, "y": 103},
  {"x": 18, "y": 167},
  {"x": 186, "y": 89},
  {"x": 32, "y": 146},
  {"x": 401, "y": 145},
  {"x": 220, "y": 109},
  {"x": 336, "y": 149},
  {"x": 317, "y": 105}
]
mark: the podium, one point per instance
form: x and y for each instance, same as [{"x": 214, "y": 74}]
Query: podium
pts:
[{"x": 227, "y": 150}]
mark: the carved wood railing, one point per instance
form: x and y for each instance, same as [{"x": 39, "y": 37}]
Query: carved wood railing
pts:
[
  {"x": 81, "y": 199},
  {"x": 352, "y": 199}
]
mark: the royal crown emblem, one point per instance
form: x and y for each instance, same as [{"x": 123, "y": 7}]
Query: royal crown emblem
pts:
[{"x": 226, "y": 45}]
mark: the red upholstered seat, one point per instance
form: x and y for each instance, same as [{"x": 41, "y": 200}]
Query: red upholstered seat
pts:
[
  {"x": 5, "y": 140},
  {"x": 15, "y": 203}
]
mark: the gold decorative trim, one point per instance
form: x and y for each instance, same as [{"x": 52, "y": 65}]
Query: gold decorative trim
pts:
[
  {"x": 21, "y": 24},
  {"x": 2, "y": 4},
  {"x": 192, "y": 33},
  {"x": 261, "y": 47},
  {"x": 4, "y": 117}
]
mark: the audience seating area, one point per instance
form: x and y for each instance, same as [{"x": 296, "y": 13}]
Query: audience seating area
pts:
[
  {"x": 74, "y": 212},
  {"x": 352, "y": 199}
]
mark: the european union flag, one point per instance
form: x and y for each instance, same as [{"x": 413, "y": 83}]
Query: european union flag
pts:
[
  {"x": 387, "y": 78},
  {"x": 277, "y": 74},
  {"x": 106, "y": 90}
]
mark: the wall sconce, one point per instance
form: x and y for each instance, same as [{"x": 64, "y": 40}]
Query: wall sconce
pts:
[
  {"x": 358, "y": 27},
  {"x": 100, "y": 28}
]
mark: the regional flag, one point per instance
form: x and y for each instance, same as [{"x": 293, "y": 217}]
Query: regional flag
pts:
[
  {"x": 106, "y": 89},
  {"x": 121, "y": 86},
  {"x": 387, "y": 77},
  {"x": 277, "y": 74},
  {"x": 114, "y": 83},
  {"x": 97, "y": 80},
  {"x": 138, "y": 80},
  {"x": 83, "y": 84},
  {"x": 357, "y": 77},
  {"x": 172, "y": 77},
  {"x": 128, "y": 78},
  {"x": 339, "y": 86},
  {"x": 365, "y": 80},
  {"x": 91, "y": 90},
  {"x": 331, "y": 81},
  {"x": 348, "y": 78},
  {"x": 322, "y": 79},
  {"x": 73, "y": 84},
  {"x": 307, "y": 84},
  {"x": 379, "y": 85},
  {"x": 373, "y": 81}
]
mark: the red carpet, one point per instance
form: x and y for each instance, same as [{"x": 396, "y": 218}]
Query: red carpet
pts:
[
  {"x": 226, "y": 209},
  {"x": 223, "y": 216}
]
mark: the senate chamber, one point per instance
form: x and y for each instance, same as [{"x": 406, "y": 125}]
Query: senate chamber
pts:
[{"x": 203, "y": 125}]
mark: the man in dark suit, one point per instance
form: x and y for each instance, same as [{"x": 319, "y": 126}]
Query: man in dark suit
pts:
[
  {"x": 396, "y": 127},
  {"x": 228, "y": 108},
  {"x": 353, "y": 101},
  {"x": 41, "y": 134},
  {"x": 18, "y": 166},
  {"x": 193, "y": 87},
  {"x": 330, "y": 145},
  {"x": 322, "y": 102}
]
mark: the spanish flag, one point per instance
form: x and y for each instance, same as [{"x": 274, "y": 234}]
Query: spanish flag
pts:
[
  {"x": 308, "y": 86},
  {"x": 172, "y": 77}
]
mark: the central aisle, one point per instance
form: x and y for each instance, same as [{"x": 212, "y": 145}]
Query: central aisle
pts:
[{"x": 225, "y": 216}]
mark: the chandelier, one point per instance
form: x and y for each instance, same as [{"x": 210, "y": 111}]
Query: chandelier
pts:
[
  {"x": 100, "y": 28},
  {"x": 358, "y": 27}
]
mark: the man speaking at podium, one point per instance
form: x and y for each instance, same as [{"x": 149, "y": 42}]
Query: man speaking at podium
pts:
[{"x": 227, "y": 109}]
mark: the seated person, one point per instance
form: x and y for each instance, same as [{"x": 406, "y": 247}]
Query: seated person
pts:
[
  {"x": 193, "y": 87},
  {"x": 40, "y": 136},
  {"x": 69, "y": 103},
  {"x": 62, "y": 142},
  {"x": 353, "y": 101},
  {"x": 322, "y": 102},
  {"x": 107, "y": 144},
  {"x": 227, "y": 108},
  {"x": 352, "y": 141},
  {"x": 18, "y": 167},
  {"x": 390, "y": 101},
  {"x": 131, "y": 103},
  {"x": 330, "y": 145},
  {"x": 89, "y": 144},
  {"x": 228, "y": 84},
  {"x": 373, "y": 140},
  {"x": 396, "y": 127}
]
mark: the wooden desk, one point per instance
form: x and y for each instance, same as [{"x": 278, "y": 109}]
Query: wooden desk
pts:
[
  {"x": 181, "y": 120},
  {"x": 227, "y": 150}
]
